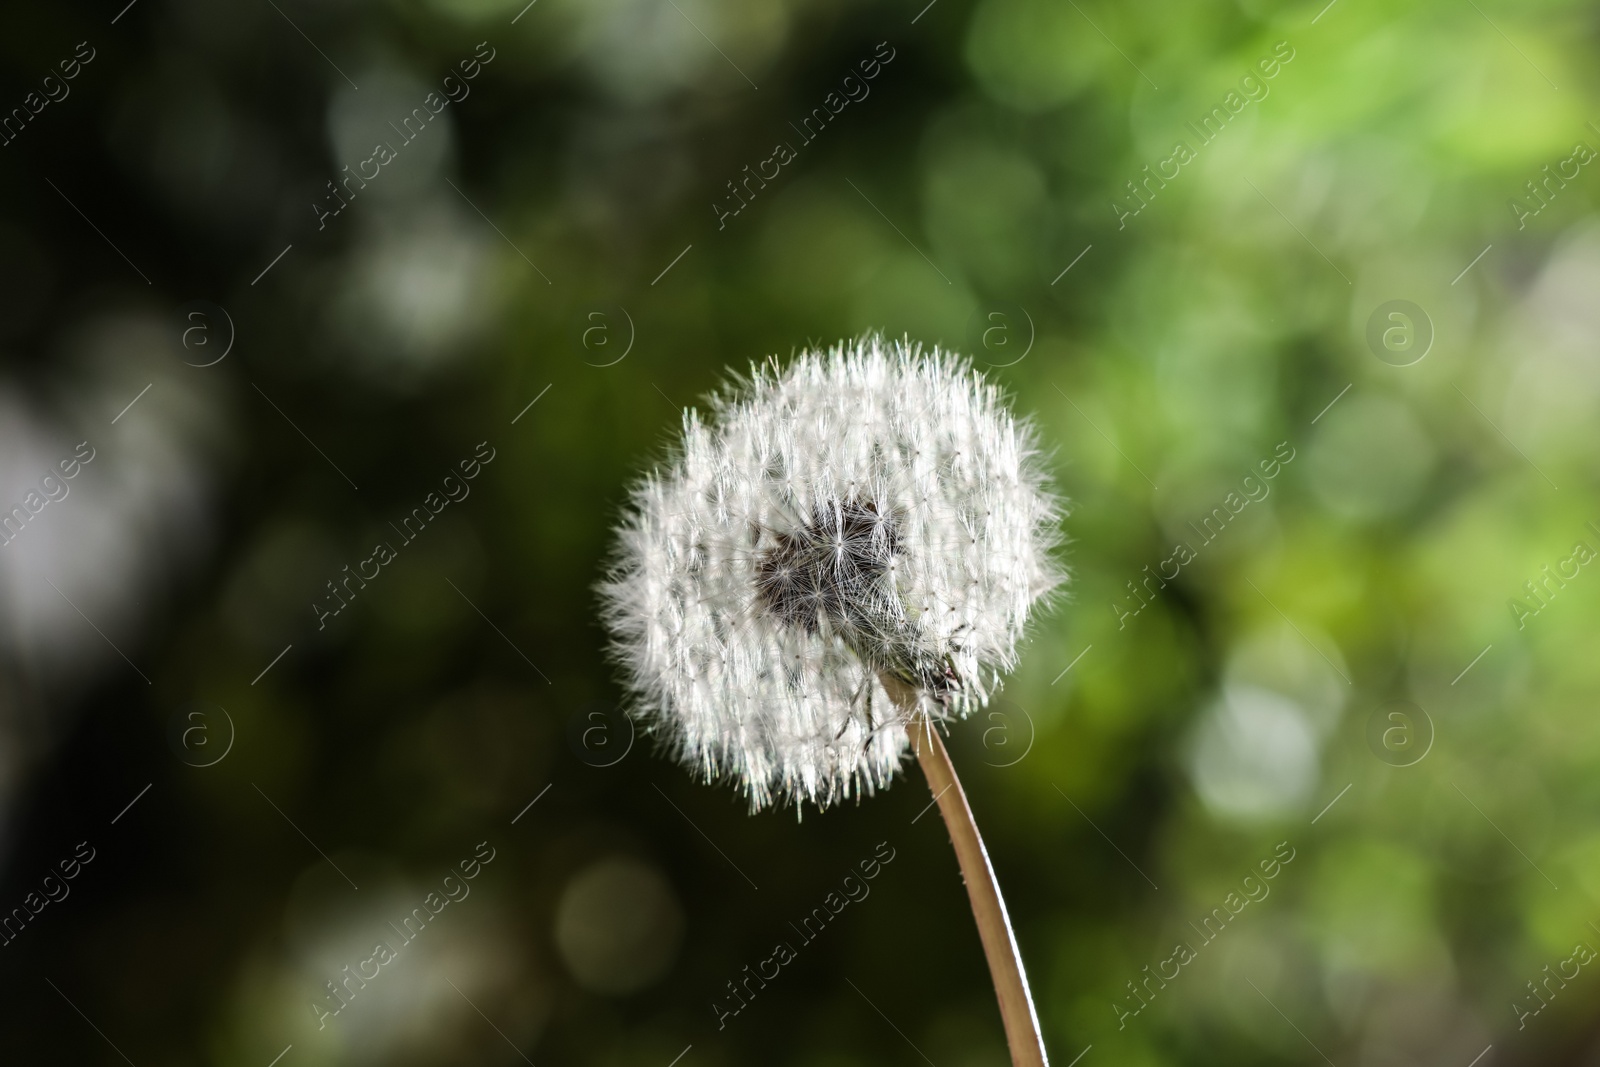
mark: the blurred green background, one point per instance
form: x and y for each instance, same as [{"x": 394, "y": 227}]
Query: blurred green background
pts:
[{"x": 1382, "y": 665}]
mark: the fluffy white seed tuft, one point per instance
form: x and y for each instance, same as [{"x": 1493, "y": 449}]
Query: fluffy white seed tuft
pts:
[{"x": 871, "y": 511}]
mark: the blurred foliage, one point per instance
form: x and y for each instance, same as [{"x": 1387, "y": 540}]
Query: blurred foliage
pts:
[{"x": 563, "y": 211}]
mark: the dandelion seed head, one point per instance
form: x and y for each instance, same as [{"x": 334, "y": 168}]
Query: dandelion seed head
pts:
[{"x": 871, "y": 511}]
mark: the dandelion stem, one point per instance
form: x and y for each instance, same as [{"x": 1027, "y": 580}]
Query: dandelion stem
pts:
[{"x": 988, "y": 907}]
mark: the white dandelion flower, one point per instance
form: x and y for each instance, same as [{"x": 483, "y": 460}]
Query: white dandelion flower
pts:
[
  {"x": 846, "y": 553},
  {"x": 869, "y": 517}
]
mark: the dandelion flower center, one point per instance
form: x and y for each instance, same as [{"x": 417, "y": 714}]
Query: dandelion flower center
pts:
[{"x": 832, "y": 571}]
